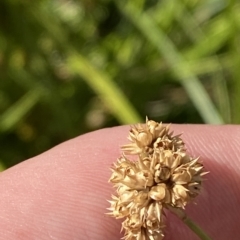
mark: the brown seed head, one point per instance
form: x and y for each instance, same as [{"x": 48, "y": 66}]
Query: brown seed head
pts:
[
  {"x": 163, "y": 175},
  {"x": 145, "y": 138}
]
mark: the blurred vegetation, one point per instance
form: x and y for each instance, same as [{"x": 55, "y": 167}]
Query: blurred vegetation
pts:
[{"x": 72, "y": 66}]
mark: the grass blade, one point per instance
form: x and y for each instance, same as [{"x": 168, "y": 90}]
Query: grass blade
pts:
[
  {"x": 19, "y": 110},
  {"x": 107, "y": 90},
  {"x": 178, "y": 64}
]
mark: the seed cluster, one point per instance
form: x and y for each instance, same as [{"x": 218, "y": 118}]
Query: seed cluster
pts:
[{"x": 163, "y": 175}]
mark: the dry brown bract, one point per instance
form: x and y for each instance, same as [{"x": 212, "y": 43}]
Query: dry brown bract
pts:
[{"x": 163, "y": 175}]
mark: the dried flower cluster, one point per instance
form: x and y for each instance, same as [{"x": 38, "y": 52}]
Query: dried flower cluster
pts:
[{"x": 163, "y": 175}]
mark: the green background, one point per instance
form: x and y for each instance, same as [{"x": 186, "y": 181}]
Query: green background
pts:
[{"x": 69, "y": 67}]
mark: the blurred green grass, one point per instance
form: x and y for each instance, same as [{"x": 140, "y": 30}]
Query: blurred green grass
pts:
[{"x": 69, "y": 67}]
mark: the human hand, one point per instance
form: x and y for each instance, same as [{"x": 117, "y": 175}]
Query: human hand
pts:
[{"x": 61, "y": 194}]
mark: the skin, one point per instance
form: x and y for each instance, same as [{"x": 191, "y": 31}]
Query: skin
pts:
[{"x": 61, "y": 194}]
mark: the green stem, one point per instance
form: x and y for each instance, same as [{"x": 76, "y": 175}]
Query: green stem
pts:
[
  {"x": 189, "y": 222},
  {"x": 195, "y": 228}
]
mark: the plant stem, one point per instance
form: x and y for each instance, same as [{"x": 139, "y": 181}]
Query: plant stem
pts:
[{"x": 189, "y": 222}]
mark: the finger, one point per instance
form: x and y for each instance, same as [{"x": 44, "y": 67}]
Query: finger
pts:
[{"x": 62, "y": 193}]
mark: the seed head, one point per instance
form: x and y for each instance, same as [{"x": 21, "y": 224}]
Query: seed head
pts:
[
  {"x": 145, "y": 138},
  {"x": 163, "y": 175}
]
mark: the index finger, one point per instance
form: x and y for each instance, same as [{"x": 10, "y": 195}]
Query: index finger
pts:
[{"x": 62, "y": 193}]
